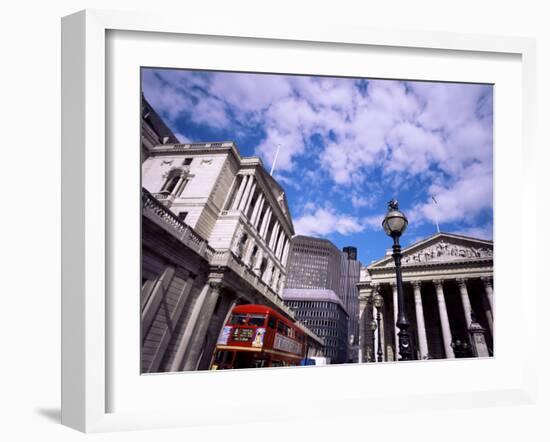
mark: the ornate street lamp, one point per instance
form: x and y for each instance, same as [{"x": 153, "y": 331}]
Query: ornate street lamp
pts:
[
  {"x": 394, "y": 225},
  {"x": 373, "y": 329},
  {"x": 378, "y": 303}
]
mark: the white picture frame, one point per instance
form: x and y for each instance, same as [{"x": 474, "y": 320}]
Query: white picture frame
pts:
[{"x": 86, "y": 215}]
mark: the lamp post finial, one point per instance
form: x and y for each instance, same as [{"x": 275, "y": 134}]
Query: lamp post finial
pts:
[{"x": 393, "y": 204}]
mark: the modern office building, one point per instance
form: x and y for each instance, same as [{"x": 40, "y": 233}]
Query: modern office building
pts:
[
  {"x": 314, "y": 263},
  {"x": 323, "y": 312},
  {"x": 349, "y": 277},
  {"x": 314, "y": 291},
  {"x": 448, "y": 296}
]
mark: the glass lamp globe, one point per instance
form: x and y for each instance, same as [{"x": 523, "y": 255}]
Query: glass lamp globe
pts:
[
  {"x": 373, "y": 325},
  {"x": 378, "y": 301},
  {"x": 395, "y": 222}
]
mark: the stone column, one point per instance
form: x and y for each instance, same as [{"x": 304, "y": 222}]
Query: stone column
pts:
[
  {"x": 421, "y": 326},
  {"x": 276, "y": 241},
  {"x": 444, "y": 318},
  {"x": 265, "y": 222},
  {"x": 197, "y": 341},
  {"x": 178, "y": 185},
  {"x": 466, "y": 306},
  {"x": 240, "y": 192},
  {"x": 489, "y": 297},
  {"x": 363, "y": 327},
  {"x": 488, "y": 283},
  {"x": 257, "y": 209},
  {"x": 281, "y": 247},
  {"x": 250, "y": 197},
  {"x": 279, "y": 243},
  {"x": 395, "y": 329},
  {"x": 189, "y": 333},
  {"x": 246, "y": 193},
  {"x": 285, "y": 253},
  {"x": 276, "y": 227}
]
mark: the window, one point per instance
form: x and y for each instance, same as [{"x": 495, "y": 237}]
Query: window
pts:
[
  {"x": 237, "y": 319},
  {"x": 183, "y": 215},
  {"x": 187, "y": 161},
  {"x": 257, "y": 320},
  {"x": 182, "y": 186},
  {"x": 171, "y": 182},
  {"x": 283, "y": 329}
]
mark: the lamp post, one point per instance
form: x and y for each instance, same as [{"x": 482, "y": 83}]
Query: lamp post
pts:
[
  {"x": 394, "y": 224},
  {"x": 379, "y": 303},
  {"x": 373, "y": 329}
]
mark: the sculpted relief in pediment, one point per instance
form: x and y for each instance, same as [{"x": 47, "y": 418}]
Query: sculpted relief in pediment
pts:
[{"x": 445, "y": 251}]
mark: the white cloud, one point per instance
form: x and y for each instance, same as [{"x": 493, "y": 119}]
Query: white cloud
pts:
[
  {"x": 323, "y": 221},
  {"x": 482, "y": 232},
  {"x": 247, "y": 93},
  {"x": 441, "y": 133},
  {"x": 359, "y": 201},
  {"x": 462, "y": 200},
  {"x": 374, "y": 222}
]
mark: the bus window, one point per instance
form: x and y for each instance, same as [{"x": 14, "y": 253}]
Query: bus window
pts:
[
  {"x": 257, "y": 320},
  {"x": 237, "y": 319},
  {"x": 272, "y": 322}
]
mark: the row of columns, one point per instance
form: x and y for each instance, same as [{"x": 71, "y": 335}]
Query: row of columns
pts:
[
  {"x": 278, "y": 240},
  {"x": 443, "y": 314}
]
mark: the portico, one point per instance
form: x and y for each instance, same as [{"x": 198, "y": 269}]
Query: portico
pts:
[{"x": 447, "y": 282}]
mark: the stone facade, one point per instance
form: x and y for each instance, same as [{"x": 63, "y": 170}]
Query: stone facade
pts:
[
  {"x": 447, "y": 282},
  {"x": 216, "y": 232},
  {"x": 230, "y": 201}
]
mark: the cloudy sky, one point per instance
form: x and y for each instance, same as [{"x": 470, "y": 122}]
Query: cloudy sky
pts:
[{"x": 347, "y": 146}]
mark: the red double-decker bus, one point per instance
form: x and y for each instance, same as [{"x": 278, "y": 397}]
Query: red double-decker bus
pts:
[{"x": 257, "y": 336}]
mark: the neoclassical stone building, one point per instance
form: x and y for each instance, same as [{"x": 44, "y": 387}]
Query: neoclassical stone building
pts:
[
  {"x": 447, "y": 282},
  {"x": 216, "y": 232}
]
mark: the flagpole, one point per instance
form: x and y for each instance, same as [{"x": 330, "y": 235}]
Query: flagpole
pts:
[
  {"x": 436, "y": 218},
  {"x": 275, "y": 160}
]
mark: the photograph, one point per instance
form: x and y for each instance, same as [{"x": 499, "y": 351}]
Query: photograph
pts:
[{"x": 293, "y": 219}]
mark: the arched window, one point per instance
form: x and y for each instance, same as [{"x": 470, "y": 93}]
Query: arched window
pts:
[
  {"x": 240, "y": 247},
  {"x": 253, "y": 254},
  {"x": 171, "y": 180},
  {"x": 263, "y": 267}
]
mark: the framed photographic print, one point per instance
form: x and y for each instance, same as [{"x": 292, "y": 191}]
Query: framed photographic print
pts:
[{"x": 290, "y": 208}]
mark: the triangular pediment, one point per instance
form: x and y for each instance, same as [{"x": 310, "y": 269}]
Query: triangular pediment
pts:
[{"x": 441, "y": 248}]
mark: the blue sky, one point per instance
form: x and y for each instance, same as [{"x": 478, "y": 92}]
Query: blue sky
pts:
[{"x": 347, "y": 146}]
